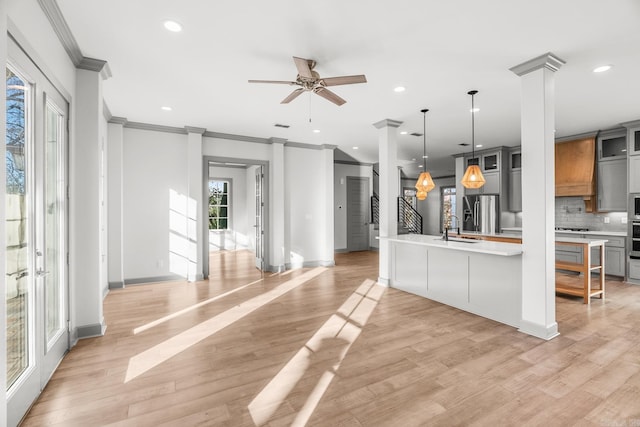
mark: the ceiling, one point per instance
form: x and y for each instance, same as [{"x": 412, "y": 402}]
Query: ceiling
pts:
[{"x": 437, "y": 50}]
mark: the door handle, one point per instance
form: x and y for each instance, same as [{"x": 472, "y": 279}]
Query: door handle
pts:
[{"x": 42, "y": 273}]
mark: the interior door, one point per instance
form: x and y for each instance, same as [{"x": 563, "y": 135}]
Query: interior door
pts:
[
  {"x": 37, "y": 291},
  {"x": 357, "y": 213},
  {"x": 259, "y": 226}
]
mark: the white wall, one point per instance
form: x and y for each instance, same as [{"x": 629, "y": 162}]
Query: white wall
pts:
[
  {"x": 306, "y": 185},
  {"x": 237, "y": 237},
  {"x": 155, "y": 189},
  {"x": 341, "y": 172}
]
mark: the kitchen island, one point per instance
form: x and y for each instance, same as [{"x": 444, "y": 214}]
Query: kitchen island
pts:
[{"x": 481, "y": 277}]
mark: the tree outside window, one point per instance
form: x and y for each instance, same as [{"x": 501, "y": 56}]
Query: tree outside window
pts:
[{"x": 218, "y": 205}]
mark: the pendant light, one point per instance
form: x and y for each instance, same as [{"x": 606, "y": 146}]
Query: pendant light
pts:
[
  {"x": 473, "y": 176},
  {"x": 425, "y": 182}
]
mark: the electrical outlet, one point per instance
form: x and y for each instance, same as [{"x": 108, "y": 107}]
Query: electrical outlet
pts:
[
  {"x": 607, "y": 220},
  {"x": 623, "y": 220}
]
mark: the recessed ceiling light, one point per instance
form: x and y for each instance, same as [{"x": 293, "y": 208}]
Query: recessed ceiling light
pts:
[
  {"x": 404, "y": 132},
  {"x": 425, "y": 157},
  {"x": 602, "y": 69},
  {"x": 355, "y": 148},
  {"x": 166, "y": 108},
  {"x": 478, "y": 145},
  {"x": 419, "y": 166},
  {"x": 316, "y": 131},
  {"x": 474, "y": 110},
  {"x": 413, "y": 160},
  {"x": 399, "y": 89},
  {"x": 172, "y": 26}
]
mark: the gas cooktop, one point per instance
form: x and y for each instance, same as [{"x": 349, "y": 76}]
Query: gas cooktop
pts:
[{"x": 572, "y": 229}]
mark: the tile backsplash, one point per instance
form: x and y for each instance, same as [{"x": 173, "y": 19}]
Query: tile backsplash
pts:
[{"x": 570, "y": 212}]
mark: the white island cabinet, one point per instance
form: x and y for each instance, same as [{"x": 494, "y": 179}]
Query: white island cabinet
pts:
[{"x": 480, "y": 277}]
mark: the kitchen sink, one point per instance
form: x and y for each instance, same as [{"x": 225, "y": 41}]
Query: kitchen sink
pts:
[{"x": 459, "y": 239}]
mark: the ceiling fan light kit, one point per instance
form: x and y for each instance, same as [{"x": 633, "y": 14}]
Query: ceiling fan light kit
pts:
[
  {"x": 310, "y": 81},
  {"x": 425, "y": 182},
  {"x": 473, "y": 175}
]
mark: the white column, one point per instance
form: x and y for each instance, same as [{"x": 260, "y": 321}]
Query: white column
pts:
[
  {"x": 329, "y": 246},
  {"x": 115, "y": 141},
  {"x": 538, "y": 188},
  {"x": 276, "y": 206},
  {"x": 195, "y": 203},
  {"x": 3, "y": 254},
  {"x": 388, "y": 159},
  {"x": 85, "y": 244}
]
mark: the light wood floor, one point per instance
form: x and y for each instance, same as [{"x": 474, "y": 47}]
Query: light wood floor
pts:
[{"x": 411, "y": 362}]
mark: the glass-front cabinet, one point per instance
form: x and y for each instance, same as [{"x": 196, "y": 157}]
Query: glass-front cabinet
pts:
[{"x": 612, "y": 145}]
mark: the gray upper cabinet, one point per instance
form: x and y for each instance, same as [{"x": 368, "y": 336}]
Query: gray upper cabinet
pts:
[
  {"x": 633, "y": 137},
  {"x": 515, "y": 181},
  {"x": 612, "y": 144},
  {"x": 493, "y": 169},
  {"x": 612, "y": 185},
  {"x": 633, "y": 151},
  {"x": 612, "y": 170}
]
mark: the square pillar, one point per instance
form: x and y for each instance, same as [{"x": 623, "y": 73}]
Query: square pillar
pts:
[
  {"x": 389, "y": 192},
  {"x": 538, "y": 184},
  {"x": 195, "y": 201}
]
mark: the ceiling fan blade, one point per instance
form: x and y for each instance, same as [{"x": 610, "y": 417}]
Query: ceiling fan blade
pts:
[
  {"x": 327, "y": 94},
  {"x": 344, "y": 80},
  {"x": 293, "y": 95},
  {"x": 281, "y": 82},
  {"x": 303, "y": 67}
]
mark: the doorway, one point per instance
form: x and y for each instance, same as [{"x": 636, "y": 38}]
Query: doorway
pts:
[
  {"x": 357, "y": 213},
  {"x": 36, "y": 231},
  {"x": 246, "y": 200}
]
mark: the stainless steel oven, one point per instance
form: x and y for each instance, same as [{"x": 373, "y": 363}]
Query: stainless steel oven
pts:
[
  {"x": 635, "y": 239},
  {"x": 636, "y": 207}
]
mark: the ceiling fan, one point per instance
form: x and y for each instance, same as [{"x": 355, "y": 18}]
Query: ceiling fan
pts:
[{"x": 310, "y": 81}]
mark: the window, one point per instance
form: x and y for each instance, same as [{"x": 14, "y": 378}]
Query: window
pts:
[
  {"x": 219, "y": 204},
  {"x": 447, "y": 214}
]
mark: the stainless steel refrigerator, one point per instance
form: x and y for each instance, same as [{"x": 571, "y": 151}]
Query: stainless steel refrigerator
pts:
[{"x": 481, "y": 213}]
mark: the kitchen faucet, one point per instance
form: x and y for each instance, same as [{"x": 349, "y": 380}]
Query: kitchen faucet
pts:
[{"x": 446, "y": 229}]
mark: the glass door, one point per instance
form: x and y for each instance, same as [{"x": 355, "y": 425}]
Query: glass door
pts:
[
  {"x": 259, "y": 218},
  {"x": 36, "y": 268},
  {"x": 51, "y": 258}
]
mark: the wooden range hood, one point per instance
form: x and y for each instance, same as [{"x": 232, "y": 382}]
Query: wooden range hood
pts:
[{"x": 575, "y": 168}]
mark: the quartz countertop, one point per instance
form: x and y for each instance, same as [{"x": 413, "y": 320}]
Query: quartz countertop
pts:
[{"x": 466, "y": 245}]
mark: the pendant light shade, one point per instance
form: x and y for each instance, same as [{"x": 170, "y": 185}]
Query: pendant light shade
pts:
[
  {"x": 473, "y": 176},
  {"x": 425, "y": 182}
]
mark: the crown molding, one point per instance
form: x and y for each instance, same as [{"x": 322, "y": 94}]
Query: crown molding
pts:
[
  {"x": 631, "y": 124},
  {"x": 388, "y": 123},
  {"x": 54, "y": 15},
  {"x": 155, "y": 128},
  {"x": 547, "y": 60},
  {"x": 118, "y": 120},
  {"x": 97, "y": 65},
  {"x": 61, "y": 28},
  {"x": 352, "y": 163},
  {"x": 233, "y": 137},
  {"x": 192, "y": 129}
]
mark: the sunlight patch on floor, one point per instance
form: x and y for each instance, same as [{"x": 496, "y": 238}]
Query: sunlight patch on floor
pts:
[
  {"x": 190, "y": 308},
  {"x": 328, "y": 346},
  {"x": 148, "y": 359}
]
